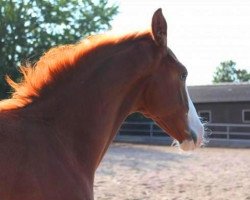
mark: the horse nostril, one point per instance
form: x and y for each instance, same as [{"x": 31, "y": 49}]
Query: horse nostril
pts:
[{"x": 194, "y": 136}]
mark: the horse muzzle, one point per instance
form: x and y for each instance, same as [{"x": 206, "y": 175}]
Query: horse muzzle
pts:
[{"x": 194, "y": 141}]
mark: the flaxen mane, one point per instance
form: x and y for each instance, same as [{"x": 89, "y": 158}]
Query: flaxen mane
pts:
[{"x": 57, "y": 62}]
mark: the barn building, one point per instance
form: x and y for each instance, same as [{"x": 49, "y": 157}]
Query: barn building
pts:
[{"x": 222, "y": 103}]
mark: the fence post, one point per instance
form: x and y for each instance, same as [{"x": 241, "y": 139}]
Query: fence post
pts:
[
  {"x": 228, "y": 131},
  {"x": 151, "y": 130}
]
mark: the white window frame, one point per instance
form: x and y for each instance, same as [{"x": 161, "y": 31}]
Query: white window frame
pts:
[
  {"x": 207, "y": 111},
  {"x": 243, "y": 115}
]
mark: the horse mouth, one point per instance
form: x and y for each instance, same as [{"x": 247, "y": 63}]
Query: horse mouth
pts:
[{"x": 195, "y": 141}]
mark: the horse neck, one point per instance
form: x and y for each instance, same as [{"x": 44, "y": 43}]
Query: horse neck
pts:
[{"x": 86, "y": 115}]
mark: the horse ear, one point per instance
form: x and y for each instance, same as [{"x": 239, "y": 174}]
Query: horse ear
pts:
[{"x": 159, "y": 28}]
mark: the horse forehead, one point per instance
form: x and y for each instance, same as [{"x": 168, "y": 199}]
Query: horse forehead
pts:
[
  {"x": 180, "y": 66},
  {"x": 171, "y": 54}
]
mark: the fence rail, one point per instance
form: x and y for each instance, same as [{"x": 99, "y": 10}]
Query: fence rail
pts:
[
  {"x": 234, "y": 135},
  {"x": 229, "y": 131}
]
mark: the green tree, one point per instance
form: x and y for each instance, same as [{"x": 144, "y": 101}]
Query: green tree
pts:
[
  {"x": 29, "y": 28},
  {"x": 242, "y": 75},
  {"x": 227, "y": 72}
]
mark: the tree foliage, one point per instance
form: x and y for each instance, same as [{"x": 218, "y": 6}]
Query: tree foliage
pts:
[
  {"x": 227, "y": 72},
  {"x": 242, "y": 75},
  {"x": 29, "y": 28}
]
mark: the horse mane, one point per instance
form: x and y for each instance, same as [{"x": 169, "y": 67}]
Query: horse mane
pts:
[{"x": 57, "y": 62}]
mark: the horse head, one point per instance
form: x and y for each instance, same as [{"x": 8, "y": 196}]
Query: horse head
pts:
[{"x": 166, "y": 99}]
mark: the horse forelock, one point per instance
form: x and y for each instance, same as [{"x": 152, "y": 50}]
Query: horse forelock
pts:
[{"x": 58, "y": 61}]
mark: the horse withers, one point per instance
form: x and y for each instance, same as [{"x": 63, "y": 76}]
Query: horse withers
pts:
[{"x": 66, "y": 111}]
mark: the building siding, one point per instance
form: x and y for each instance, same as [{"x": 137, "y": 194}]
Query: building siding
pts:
[{"x": 228, "y": 112}]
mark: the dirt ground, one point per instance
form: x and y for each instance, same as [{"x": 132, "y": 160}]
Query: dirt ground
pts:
[{"x": 143, "y": 172}]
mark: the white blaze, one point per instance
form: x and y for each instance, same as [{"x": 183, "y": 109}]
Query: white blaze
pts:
[{"x": 194, "y": 124}]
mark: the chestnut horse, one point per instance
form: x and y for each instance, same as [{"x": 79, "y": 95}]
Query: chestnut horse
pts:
[{"x": 66, "y": 111}]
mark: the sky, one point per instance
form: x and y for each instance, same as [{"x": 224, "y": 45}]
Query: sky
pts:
[{"x": 202, "y": 33}]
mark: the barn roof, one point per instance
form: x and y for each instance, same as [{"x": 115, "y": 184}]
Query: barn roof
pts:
[{"x": 229, "y": 92}]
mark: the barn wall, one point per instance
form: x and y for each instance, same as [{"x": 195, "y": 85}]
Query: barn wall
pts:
[{"x": 224, "y": 112}]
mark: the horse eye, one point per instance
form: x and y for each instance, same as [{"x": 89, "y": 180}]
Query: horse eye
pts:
[{"x": 183, "y": 76}]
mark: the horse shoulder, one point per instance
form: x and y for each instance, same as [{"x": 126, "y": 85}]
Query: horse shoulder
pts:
[{"x": 33, "y": 163}]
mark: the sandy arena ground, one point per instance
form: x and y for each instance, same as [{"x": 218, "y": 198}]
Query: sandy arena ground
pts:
[{"x": 142, "y": 172}]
